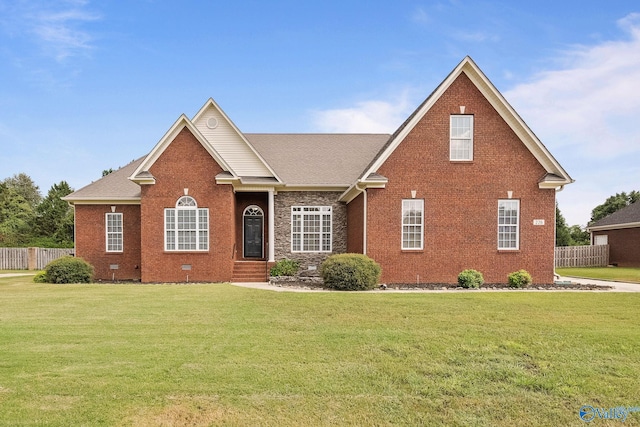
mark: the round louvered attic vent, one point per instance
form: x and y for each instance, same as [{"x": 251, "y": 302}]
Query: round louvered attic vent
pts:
[{"x": 212, "y": 123}]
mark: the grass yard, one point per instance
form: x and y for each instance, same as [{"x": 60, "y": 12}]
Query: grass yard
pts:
[
  {"x": 173, "y": 355},
  {"x": 619, "y": 274}
]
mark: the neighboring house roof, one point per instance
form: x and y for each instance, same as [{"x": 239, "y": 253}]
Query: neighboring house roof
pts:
[
  {"x": 303, "y": 160},
  {"x": 556, "y": 176},
  {"x": 627, "y": 217},
  {"x": 115, "y": 187}
]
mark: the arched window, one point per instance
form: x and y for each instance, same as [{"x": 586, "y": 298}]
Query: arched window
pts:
[{"x": 186, "y": 226}]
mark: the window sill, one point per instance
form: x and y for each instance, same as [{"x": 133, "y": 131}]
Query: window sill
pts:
[
  {"x": 508, "y": 251},
  {"x": 412, "y": 251}
]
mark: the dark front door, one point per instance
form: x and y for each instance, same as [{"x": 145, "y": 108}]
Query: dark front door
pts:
[{"x": 253, "y": 237}]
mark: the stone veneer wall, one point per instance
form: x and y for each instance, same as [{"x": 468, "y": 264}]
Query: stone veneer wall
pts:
[{"x": 284, "y": 201}]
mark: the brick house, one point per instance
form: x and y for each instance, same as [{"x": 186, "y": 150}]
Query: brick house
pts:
[
  {"x": 621, "y": 231},
  {"x": 463, "y": 183}
]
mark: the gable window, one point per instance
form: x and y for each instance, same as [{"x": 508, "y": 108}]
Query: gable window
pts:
[
  {"x": 114, "y": 237},
  {"x": 508, "y": 224},
  {"x": 311, "y": 228},
  {"x": 461, "y": 138},
  {"x": 412, "y": 223},
  {"x": 186, "y": 227}
]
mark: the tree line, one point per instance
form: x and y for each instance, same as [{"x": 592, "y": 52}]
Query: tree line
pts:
[
  {"x": 575, "y": 235},
  {"x": 29, "y": 219}
]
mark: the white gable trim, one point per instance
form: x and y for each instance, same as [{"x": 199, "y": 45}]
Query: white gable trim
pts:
[
  {"x": 165, "y": 141},
  {"x": 211, "y": 103},
  {"x": 503, "y": 108}
]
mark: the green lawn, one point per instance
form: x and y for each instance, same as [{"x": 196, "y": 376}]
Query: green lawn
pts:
[
  {"x": 149, "y": 355},
  {"x": 619, "y": 274}
]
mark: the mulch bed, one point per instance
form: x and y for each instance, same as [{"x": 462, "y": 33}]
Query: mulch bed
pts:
[{"x": 316, "y": 283}]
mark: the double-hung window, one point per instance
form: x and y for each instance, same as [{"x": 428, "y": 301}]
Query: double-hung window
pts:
[
  {"x": 114, "y": 238},
  {"x": 508, "y": 224},
  {"x": 412, "y": 223},
  {"x": 311, "y": 228},
  {"x": 186, "y": 227},
  {"x": 461, "y": 138}
]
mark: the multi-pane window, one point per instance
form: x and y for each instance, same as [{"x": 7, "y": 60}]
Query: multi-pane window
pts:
[
  {"x": 508, "y": 224},
  {"x": 186, "y": 226},
  {"x": 461, "y": 137},
  {"x": 114, "y": 232},
  {"x": 412, "y": 223},
  {"x": 311, "y": 228}
]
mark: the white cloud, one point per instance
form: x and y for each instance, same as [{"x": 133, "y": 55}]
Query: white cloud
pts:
[
  {"x": 371, "y": 116},
  {"x": 57, "y": 27},
  {"x": 591, "y": 102}
]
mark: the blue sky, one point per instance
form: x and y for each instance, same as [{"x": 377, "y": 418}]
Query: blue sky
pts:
[{"x": 91, "y": 85}]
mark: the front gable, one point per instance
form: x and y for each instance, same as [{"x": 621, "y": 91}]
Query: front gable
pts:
[
  {"x": 142, "y": 174},
  {"x": 554, "y": 175},
  {"x": 222, "y": 134}
]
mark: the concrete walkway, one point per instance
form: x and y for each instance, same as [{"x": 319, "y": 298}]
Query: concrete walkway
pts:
[
  {"x": 617, "y": 286},
  {"x": 16, "y": 274}
]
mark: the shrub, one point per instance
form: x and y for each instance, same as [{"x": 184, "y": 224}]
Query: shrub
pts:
[
  {"x": 69, "y": 269},
  {"x": 285, "y": 267},
  {"x": 470, "y": 279},
  {"x": 519, "y": 279},
  {"x": 40, "y": 277},
  {"x": 350, "y": 272}
]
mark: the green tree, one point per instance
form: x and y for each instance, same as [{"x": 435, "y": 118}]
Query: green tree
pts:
[
  {"x": 16, "y": 215},
  {"x": 106, "y": 172},
  {"x": 23, "y": 185},
  {"x": 613, "y": 204},
  {"x": 563, "y": 237},
  {"x": 579, "y": 237},
  {"x": 54, "y": 217}
]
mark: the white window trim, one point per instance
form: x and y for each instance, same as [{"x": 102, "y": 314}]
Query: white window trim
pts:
[
  {"x": 517, "y": 225},
  {"x": 451, "y": 138},
  {"x": 406, "y": 202},
  {"x": 187, "y": 203},
  {"x": 108, "y": 233},
  {"x": 312, "y": 210}
]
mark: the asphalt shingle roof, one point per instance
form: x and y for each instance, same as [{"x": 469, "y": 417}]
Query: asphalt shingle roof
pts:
[{"x": 627, "y": 215}]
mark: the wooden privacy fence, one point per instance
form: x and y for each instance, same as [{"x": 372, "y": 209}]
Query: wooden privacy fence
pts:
[
  {"x": 582, "y": 256},
  {"x": 30, "y": 258}
]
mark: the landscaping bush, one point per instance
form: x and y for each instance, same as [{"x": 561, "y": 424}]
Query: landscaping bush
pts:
[
  {"x": 69, "y": 269},
  {"x": 519, "y": 279},
  {"x": 285, "y": 267},
  {"x": 470, "y": 279},
  {"x": 40, "y": 277},
  {"x": 350, "y": 272}
]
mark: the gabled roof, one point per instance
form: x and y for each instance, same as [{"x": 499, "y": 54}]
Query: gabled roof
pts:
[
  {"x": 556, "y": 176},
  {"x": 113, "y": 188},
  {"x": 627, "y": 217},
  {"x": 141, "y": 174},
  {"x": 303, "y": 160},
  {"x": 220, "y": 131}
]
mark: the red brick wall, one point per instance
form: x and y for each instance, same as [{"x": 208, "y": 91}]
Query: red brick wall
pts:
[
  {"x": 624, "y": 246},
  {"x": 186, "y": 164},
  {"x": 461, "y": 199},
  {"x": 90, "y": 223},
  {"x": 355, "y": 225}
]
